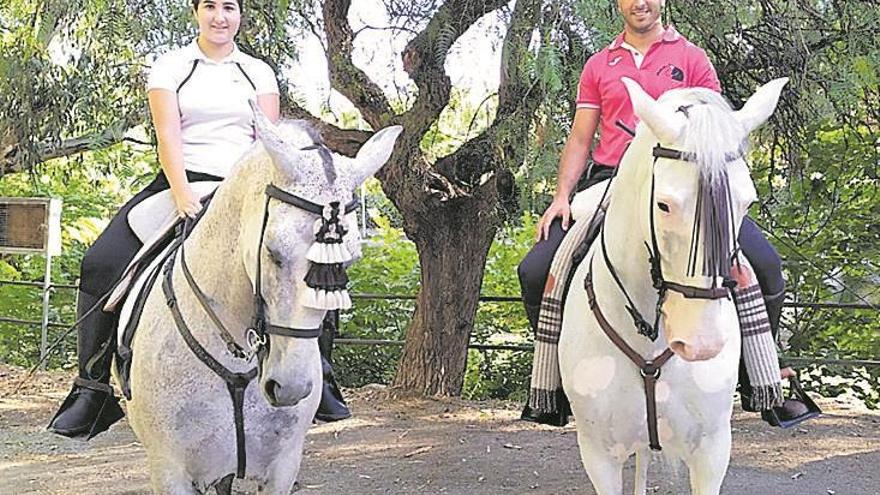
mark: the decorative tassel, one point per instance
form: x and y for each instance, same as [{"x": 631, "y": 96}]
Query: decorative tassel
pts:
[
  {"x": 327, "y": 277},
  {"x": 327, "y": 300},
  {"x": 328, "y": 253}
]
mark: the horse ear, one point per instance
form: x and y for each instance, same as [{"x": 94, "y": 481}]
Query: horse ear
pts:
[
  {"x": 761, "y": 105},
  {"x": 666, "y": 125},
  {"x": 375, "y": 152}
]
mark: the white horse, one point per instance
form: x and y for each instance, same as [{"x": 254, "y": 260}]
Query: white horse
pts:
[
  {"x": 247, "y": 242},
  {"x": 694, "y": 395}
]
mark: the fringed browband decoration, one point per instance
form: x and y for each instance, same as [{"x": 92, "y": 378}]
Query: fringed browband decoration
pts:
[{"x": 326, "y": 278}]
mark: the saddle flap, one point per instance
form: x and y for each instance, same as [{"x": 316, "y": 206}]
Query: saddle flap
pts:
[
  {"x": 158, "y": 211},
  {"x": 151, "y": 220},
  {"x": 584, "y": 203}
]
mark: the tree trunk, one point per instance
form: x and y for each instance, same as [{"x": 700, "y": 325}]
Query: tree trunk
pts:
[{"x": 452, "y": 259}]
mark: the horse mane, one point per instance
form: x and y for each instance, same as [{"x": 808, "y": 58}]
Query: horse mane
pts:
[{"x": 712, "y": 136}]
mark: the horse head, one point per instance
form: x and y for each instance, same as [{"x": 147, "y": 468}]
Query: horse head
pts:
[
  {"x": 698, "y": 188},
  {"x": 305, "y": 232}
]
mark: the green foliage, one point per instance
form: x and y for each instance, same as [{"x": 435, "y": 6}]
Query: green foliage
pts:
[
  {"x": 92, "y": 186},
  {"x": 390, "y": 266}
]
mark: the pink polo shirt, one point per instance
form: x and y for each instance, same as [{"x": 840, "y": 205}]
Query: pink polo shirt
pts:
[{"x": 671, "y": 62}]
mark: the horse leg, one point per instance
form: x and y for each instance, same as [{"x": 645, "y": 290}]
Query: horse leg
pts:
[
  {"x": 167, "y": 478},
  {"x": 708, "y": 463},
  {"x": 643, "y": 459},
  {"x": 606, "y": 473},
  {"x": 283, "y": 472}
]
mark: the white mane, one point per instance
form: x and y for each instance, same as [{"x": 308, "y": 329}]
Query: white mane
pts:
[{"x": 712, "y": 132}]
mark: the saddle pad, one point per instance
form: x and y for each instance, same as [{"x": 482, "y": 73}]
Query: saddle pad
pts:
[
  {"x": 155, "y": 213},
  {"x": 152, "y": 221},
  {"x": 584, "y": 203},
  {"x": 132, "y": 309}
]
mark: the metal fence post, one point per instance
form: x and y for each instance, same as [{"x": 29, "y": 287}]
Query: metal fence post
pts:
[{"x": 44, "y": 323}]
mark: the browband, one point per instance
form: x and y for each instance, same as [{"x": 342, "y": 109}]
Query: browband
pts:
[{"x": 274, "y": 192}]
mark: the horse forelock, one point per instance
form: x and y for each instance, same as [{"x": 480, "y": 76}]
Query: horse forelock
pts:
[
  {"x": 712, "y": 136},
  {"x": 308, "y": 136}
]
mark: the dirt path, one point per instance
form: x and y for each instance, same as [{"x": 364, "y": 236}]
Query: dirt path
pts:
[{"x": 440, "y": 447}]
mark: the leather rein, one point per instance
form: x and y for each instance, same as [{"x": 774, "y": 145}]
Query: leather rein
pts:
[
  {"x": 257, "y": 336},
  {"x": 650, "y": 368}
]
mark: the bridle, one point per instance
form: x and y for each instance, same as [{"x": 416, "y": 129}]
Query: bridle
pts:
[
  {"x": 660, "y": 284},
  {"x": 650, "y": 368},
  {"x": 258, "y": 341},
  {"x": 257, "y": 336}
]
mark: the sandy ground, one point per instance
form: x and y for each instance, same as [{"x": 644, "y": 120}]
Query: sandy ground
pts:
[{"x": 440, "y": 447}]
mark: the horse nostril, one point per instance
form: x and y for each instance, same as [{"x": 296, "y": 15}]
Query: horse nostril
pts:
[
  {"x": 680, "y": 348},
  {"x": 272, "y": 391}
]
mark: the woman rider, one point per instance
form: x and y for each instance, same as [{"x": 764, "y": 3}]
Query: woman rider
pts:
[{"x": 199, "y": 102}]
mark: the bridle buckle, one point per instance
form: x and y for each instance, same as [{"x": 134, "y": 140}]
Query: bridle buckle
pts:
[{"x": 255, "y": 341}]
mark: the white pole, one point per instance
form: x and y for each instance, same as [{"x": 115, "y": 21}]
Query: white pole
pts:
[{"x": 44, "y": 327}]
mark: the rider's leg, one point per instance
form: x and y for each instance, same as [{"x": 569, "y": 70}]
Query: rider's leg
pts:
[
  {"x": 768, "y": 270},
  {"x": 91, "y": 407},
  {"x": 332, "y": 406},
  {"x": 533, "y": 272}
]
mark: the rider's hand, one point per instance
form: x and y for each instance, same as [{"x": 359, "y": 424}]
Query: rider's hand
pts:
[
  {"x": 187, "y": 201},
  {"x": 560, "y": 207}
]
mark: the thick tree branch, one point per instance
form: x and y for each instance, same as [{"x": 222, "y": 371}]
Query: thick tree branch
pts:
[
  {"x": 425, "y": 56},
  {"x": 343, "y": 141},
  {"x": 345, "y": 77},
  {"x": 519, "y": 96},
  {"x": 12, "y": 160}
]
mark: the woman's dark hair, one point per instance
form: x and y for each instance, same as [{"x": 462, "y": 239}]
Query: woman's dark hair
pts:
[{"x": 195, "y": 4}]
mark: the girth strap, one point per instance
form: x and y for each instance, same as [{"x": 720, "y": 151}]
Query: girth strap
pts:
[
  {"x": 650, "y": 369},
  {"x": 236, "y": 383}
]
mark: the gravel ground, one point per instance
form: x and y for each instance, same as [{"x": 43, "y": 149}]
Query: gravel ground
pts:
[{"x": 440, "y": 447}]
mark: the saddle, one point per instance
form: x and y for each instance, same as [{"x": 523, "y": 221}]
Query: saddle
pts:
[
  {"x": 155, "y": 222},
  {"x": 152, "y": 221}
]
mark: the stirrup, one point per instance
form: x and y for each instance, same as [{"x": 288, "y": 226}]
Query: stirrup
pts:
[{"x": 796, "y": 395}]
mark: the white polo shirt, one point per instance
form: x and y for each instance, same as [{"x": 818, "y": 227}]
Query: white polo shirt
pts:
[{"x": 217, "y": 123}]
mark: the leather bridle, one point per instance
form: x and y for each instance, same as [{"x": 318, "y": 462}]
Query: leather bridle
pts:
[
  {"x": 650, "y": 368},
  {"x": 257, "y": 335}
]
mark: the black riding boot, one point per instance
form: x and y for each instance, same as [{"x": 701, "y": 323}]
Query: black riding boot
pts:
[
  {"x": 91, "y": 407},
  {"x": 332, "y": 406},
  {"x": 557, "y": 418},
  {"x": 795, "y": 409}
]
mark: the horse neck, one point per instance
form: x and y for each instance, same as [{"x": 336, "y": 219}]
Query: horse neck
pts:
[
  {"x": 628, "y": 207},
  {"x": 213, "y": 252}
]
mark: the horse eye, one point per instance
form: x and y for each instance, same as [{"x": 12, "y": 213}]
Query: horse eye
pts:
[{"x": 663, "y": 207}]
